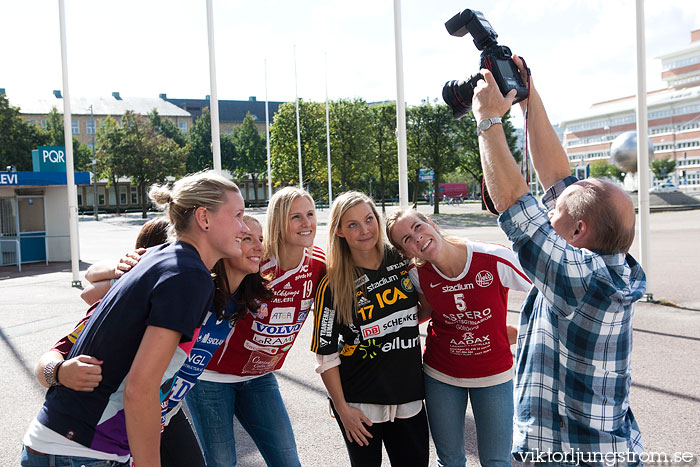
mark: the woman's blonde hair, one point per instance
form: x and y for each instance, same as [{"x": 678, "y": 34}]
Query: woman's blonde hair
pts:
[
  {"x": 203, "y": 189},
  {"x": 278, "y": 219},
  {"x": 340, "y": 267},
  {"x": 396, "y": 216}
]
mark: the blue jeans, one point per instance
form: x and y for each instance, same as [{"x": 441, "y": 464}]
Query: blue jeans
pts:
[
  {"x": 258, "y": 405},
  {"x": 28, "y": 459},
  {"x": 493, "y": 415}
]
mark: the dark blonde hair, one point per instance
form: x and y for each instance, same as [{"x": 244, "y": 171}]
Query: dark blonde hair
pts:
[
  {"x": 396, "y": 216},
  {"x": 340, "y": 266},
  {"x": 203, "y": 189}
]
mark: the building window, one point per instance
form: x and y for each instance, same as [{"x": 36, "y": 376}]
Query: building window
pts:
[
  {"x": 43, "y": 124},
  {"x": 122, "y": 195},
  {"x": 75, "y": 127},
  {"x": 182, "y": 126},
  {"x": 101, "y": 199},
  {"x": 80, "y": 199},
  {"x": 90, "y": 127},
  {"x": 134, "y": 196}
]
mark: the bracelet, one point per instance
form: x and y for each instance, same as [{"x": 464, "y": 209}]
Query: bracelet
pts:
[{"x": 51, "y": 372}]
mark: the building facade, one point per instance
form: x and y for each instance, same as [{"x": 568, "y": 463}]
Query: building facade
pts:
[
  {"x": 673, "y": 119},
  {"x": 89, "y": 113}
]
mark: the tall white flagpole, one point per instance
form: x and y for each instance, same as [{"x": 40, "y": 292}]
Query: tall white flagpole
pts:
[
  {"x": 296, "y": 99},
  {"x": 642, "y": 148},
  {"x": 267, "y": 138},
  {"x": 400, "y": 109},
  {"x": 68, "y": 141},
  {"x": 328, "y": 137},
  {"x": 214, "y": 97}
]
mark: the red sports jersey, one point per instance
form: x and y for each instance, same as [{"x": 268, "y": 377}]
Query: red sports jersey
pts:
[
  {"x": 467, "y": 332},
  {"x": 259, "y": 342}
]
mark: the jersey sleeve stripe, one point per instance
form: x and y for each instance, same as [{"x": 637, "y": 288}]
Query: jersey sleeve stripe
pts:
[{"x": 318, "y": 311}]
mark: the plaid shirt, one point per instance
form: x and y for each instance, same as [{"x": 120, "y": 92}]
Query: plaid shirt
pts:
[{"x": 575, "y": 339}]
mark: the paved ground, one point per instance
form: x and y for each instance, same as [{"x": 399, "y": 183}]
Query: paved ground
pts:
[{"x": 38, "y": 305}]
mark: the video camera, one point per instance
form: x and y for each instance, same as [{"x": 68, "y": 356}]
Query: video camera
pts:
[{"x": 496, "y": 58}]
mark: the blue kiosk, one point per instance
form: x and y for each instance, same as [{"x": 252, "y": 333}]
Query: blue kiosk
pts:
[{"x": 34, "y": 210}]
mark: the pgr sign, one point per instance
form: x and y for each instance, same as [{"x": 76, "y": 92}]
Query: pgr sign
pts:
[{"x": 49, "y": 159}]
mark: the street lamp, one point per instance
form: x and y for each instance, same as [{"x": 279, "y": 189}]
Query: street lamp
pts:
[{"x": 94, "y": 166}]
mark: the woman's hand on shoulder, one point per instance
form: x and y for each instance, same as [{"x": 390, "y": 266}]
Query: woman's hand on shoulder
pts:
[
  {"x": 128, "y": 261},
  {"x": 354, "y": 422}
]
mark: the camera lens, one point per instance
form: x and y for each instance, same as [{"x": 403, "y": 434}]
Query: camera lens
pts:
[{"x": 458, "y": 95}]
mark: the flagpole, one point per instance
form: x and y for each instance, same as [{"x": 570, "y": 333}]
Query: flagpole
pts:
[
  {"x": 68, "y": 141},
  {"x": 296, "y": 98},
  {"x": 267, "y": 139},
  {"x": 400, "y": 109},
  {"x": 214, "y": 97},
  {"x": 328, "y": 136}
]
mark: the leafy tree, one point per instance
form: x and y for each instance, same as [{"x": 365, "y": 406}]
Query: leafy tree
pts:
[
  {"x": 167, "y": 128},
  {"x": 17, "y": 138},
  {"x": 251, "y": 152},
  {"x": 198, "y": 148},
  {"x": 600, "y": 169},
  {"x": 383, "y": 157},
  {"x": 350, "y": 141},
  {"x": 415, "y": 134},
  {"x": 438, "y": 143},
  {"x": 54, "y": 136},
  {"x": 151, "y": 156},
  {"x": 283, "y": 145},
  {"x": 663, "y": 167},
  {"x": 112, "y": 154}
]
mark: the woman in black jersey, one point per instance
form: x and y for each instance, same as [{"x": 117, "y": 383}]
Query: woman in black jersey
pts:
[{"x": 366, "y": 340}]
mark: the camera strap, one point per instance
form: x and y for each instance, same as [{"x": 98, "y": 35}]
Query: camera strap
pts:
[{"x": 526, "y": 156}]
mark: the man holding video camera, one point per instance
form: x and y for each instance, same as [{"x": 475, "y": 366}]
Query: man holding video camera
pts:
[{"x": 575, "y": 336}]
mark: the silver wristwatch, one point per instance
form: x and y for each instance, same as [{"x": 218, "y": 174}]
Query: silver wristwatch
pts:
[
  {"x": 51, "y": 372},
  {"x": 486, "y": 123}
]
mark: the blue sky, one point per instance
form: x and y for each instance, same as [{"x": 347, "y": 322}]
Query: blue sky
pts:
[{"x": 580, "y": 52}]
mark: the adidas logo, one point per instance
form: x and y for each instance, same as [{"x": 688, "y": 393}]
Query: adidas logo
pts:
[
  {"x": 362, "y": 301},
  {"x": 287, "y": 286}
]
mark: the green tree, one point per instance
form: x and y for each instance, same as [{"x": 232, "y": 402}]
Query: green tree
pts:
[
  {"x": 167, "y": 127},
  {"x": 17, "y": 138},
  {"x": 383, "y": 156},
  {"x": 198, "y": 148},
  {"x": 438, "y": 148},
  {"x": 283, "y": 145},
  {"x": 600, "y": 169},
  {"x": 663, "y": 167},
  {"x": 112, "y": 155},
  {"x": 54, "y": 136},
  {"x": 151, "y": 156},
  {"x": 350, "y": 142},
  {"x": 415, "y": 135},
  {"x": 251, "y": 153}
]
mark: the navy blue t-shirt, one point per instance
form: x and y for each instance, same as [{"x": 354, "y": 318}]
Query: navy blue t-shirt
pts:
[{"x": 169, "y": 288}]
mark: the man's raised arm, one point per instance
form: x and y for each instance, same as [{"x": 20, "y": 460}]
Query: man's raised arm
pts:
[{"x": 548, "y": 155}]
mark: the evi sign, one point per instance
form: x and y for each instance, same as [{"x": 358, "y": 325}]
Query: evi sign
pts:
[{"x": 49, "y": 159}]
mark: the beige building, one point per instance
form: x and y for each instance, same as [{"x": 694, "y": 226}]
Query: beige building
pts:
[{"x": 673, "y": 119}]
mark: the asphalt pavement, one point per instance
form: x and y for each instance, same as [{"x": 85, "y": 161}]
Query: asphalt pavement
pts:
[{"x": 38, "y": 305}]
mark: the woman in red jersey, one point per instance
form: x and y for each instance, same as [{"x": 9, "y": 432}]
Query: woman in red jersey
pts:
[
  {"x": 239, "y": 380},
  {"x": 467, "y": 350}
]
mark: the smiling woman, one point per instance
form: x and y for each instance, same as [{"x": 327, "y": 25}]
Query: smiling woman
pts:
[
  {"x": 367, "y": 301},
  {"x": 239, "y": 379},
  {"x": 464, "y": 285}
]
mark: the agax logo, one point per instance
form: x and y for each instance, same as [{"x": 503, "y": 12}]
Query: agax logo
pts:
[{"x": 369, "y": 349}]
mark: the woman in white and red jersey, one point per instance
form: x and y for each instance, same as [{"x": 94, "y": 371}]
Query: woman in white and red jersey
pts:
[
  {"x": 467, "y": 350},
  {"x": 239, "y": 379}
]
